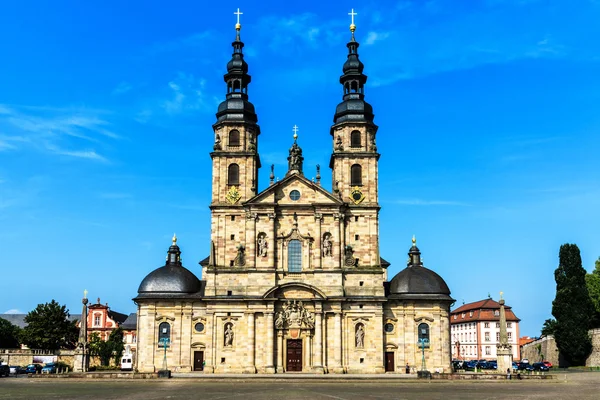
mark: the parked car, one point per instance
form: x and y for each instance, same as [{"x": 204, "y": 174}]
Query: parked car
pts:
[
  {"x": 547, "y": 363},
  {"x": 16, "y": 370},
  {"x": 525, "y": 367},
  {"x": 540, "y": 366},
  {"x": 470, "y": 365},
  {"x": 492, "y": 364},
  {"x": 49, "y": 368},
  {"x": 515, "y": 366},
  {"x": 4, "y": 370},
  {"x": 33, "y": 369}
]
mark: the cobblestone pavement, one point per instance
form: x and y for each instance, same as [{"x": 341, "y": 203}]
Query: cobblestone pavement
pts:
[{"x": 582, "y": 385}]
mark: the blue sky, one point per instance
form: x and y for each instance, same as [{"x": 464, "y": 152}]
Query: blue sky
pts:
[{"x": 488, "y": 129}]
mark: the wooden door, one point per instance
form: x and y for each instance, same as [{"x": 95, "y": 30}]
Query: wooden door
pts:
[
  {"x": 198, "y": 361},
  {"x": 294, "y": 355},
  {"x": 389, "y": 361}
]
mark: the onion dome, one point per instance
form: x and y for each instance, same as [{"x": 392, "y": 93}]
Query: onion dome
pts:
[
  {"x": 172, "y": 278},
  {"x": 418, "y": 282},
  {"x": 236, "y": 106}
]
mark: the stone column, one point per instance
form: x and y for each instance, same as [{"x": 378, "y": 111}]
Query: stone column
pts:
[
  {"x": 338, "y": 247},
  {"x": 211, "y": 349},
  {"x": 250, "y": 366},
  {"x": 251, "y": 239},
  {"x": 336, "y": 368},
  {"x": 272, "y": 249},
  {"x": 280, "y": 352},
  {"x": 318, "y": 242},
  {"x": 318, "y": 344},
  {"x": 269, "y": 368},
  {"x": 308, "y": 357}
]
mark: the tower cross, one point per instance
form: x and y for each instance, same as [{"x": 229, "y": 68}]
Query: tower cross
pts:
[
  {"x": 352, "y": 14},
  {"x": 238, "y": 13},
  {"x": 295, "y": 129}
]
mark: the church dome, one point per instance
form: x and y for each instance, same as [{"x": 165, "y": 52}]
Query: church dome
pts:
[
  {"x": 171, "y": 278},
  {"x": 416, "y": 281}
]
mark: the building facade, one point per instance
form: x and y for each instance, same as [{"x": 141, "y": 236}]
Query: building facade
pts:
[
  {"x": 475, "y": 330},
  {"x": 294, "y": 280}
]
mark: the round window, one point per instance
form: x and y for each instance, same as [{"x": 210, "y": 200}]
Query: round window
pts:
[
  {"x": 389, "y": 327},
  {"x": 199, "y": 327},
  {"x": 294, "y": 195}
]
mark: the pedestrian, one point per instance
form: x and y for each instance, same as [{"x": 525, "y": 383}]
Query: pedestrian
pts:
[
  {"x": 508, "y": 374},
  {"x": 407, "y": 368}
]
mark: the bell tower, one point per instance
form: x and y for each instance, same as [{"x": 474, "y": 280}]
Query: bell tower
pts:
[
  {"x": 235, "y": 156},
  {"x": 354, "y": 161}
]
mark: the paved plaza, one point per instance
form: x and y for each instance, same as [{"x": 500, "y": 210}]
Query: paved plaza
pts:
[{"x": 583, "y": 385}]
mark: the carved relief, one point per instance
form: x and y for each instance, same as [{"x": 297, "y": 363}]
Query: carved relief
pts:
[
  {"x": 294, "y": 315},
  {"x": 338, "y": 143},
  {"x": 233, "y": 195},
  {"x": 262, "y": 245},
  {"x": 327, "y": 245}
]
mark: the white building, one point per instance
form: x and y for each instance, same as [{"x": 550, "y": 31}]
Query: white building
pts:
[{"x": 475, "y": 330}]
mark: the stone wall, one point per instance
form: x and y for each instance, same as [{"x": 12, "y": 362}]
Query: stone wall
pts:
[
  {"x": 546, "y": 346},
  {"x": 23, "y": 357}
]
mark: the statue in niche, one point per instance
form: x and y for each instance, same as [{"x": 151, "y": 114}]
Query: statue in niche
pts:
[
  {"x": 263, "y": 245},
  {"x": 228, "y": 340},
  {"x": 217, "y": 145},
  {"x": 360, "y": 336},
  {"x": 327, "y": 245},
  {"x": 240, "y": 258}
]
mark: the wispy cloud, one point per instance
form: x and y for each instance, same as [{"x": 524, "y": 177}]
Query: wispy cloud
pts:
[
  {"x": 14, "y": 311},
  {"x": 421, "y": 202},
  {"x": 54, "y": 130},
  {"x": 122, "y": 88},
  {"x": 373, "y": 37}
]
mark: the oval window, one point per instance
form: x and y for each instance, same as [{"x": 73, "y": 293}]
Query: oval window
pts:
[
  {"x": 199, "y": 327},
  {"x": 294, "y": 195},
  {"x": 389, "y": 327}
]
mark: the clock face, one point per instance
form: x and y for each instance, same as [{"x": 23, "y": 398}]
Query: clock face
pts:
[
  {"x": 199, "y": 327},
  {"x": 356, "y": 196}
]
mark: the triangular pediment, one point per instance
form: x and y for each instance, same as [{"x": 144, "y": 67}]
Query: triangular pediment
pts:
[{"x": 281, "y": 193}]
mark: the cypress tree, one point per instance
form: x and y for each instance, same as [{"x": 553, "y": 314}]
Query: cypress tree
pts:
[{"x": 572, "y": 307}]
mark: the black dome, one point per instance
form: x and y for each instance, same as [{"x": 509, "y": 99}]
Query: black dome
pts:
[
  {"x": 170, "y": 279},
  {"x": 419, "y": 282}
]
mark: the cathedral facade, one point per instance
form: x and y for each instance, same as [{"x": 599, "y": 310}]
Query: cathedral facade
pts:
[{"x": 294, "y": 280}]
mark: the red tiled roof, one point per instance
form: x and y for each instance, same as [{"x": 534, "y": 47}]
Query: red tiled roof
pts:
[{"x": 482, "y": 310}]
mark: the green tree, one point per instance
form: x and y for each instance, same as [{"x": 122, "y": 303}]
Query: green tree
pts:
[
  {"x": 48, "y": 328},
  {"x": 593, "y": 285},
  {"x": 572, "y": 307},
  {"x": 109, "y": 349},
  {"x": 549, "y": 327},
  {"x": 9, "y": 334}
]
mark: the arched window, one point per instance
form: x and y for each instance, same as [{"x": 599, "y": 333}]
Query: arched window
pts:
[
  {"x": 355, "y": 139},
  {"x": 234, "y": 138},
  {"x": 233, "y": 174},
  {"x": 356, "y": 175},
  {"x": 294, "y": 256},
  {"x": 424, "y": 334},
  {"x": 164, "y": 334}
]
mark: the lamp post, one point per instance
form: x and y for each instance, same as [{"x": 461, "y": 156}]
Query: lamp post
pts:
[{"x": 164, "y": 373}]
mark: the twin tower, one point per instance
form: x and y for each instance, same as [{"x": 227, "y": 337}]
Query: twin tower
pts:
[{"x": 235, "y": 153}]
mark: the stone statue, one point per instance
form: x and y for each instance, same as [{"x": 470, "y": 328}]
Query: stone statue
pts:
[
  {"x": 240, "y": 258},
  {"x": 263, "y": 245},
  {"x": 295, "y": 158},
  {"x": 217, "y": 145},
  {"x": 280, "y": 320},
  {"x": 327, "y": 245},
  {"x": 229, "y": 335},
  {"x": 360, "y": 336},
  {"x": 338, "y": 143}
]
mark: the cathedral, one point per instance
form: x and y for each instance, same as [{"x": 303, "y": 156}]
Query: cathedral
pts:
[{"x": 294, "y": 280}]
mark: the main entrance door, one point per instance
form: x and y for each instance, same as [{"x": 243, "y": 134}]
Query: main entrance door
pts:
[
  {"x": 198, "y": 361},
  {"x": 294, "y": 355},
  {"x": 389, "y": 361}
]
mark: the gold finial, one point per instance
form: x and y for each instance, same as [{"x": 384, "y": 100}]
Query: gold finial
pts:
[
  {"x": 414, "y": 240},
  {"x": 85, "y": 292},
  {"x": 174, "y": 239},
  {"x": 295, "y": 129},
  {"x": 238, "y": 26},
  {"x": 501, "y": 293},
  {"x": 352, "y": 26}
]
